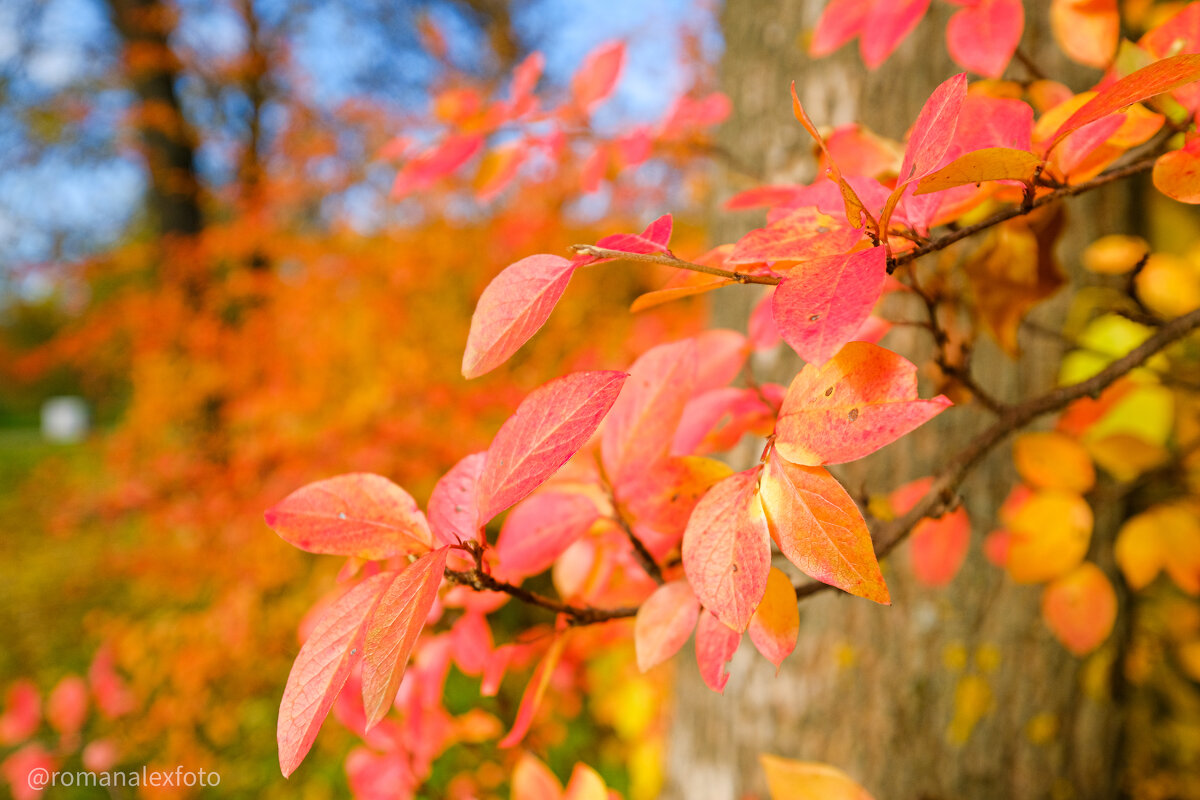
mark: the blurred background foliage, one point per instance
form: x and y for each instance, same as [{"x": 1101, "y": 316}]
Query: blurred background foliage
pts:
[{"x": 196, "y": 236}]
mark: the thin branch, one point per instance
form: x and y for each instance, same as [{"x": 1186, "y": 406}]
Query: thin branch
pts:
[
  {"x": 942, "y": 492},
  {"x": 644, "y": 556},
  {"x": 670, "y": 260},
  {"x": 481, "y": 581}
]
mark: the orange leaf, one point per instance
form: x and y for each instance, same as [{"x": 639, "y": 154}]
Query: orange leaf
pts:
[
  {"x": 534, "y": 692},
  {"x": 597, "y": 76},
  {"x": 727, "y": 549},
  {"x": 819, "y": 528},
  {"x": 1080, "y": 608},
  {"x": 775, "y": 625},
  {"x": 533, "y": 780},
  {"x": 1054, "y": 461},
  {"x": 801, "y": 780},
  {"x": 1087, "y": 30},
  {"x": 393, "y": 628},
  {"x": 359, "y": 514},
  {"x": 1177, "y": 174},
  {"x": 1050, "y": 534},
  {"x": 862, "y": 399}
]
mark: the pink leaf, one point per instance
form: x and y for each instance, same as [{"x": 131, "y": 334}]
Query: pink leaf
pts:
[
  {"x": 803, "y": 235},
  {"x": 392, "y": 630},
  {"x": 722, "y": 354},
  {"x": 436, "y": 163},
  {"x": 822, "y": 304},
  {"x": 934, "y": 129},
  {"x": 512, "y": 308},
  {"x": 539, "y": 529},
  {"x": 654, "y": 239},
  {"x": 359, "y": 514},
  {"x": 643, "y": 420},
  {"x": 67, "y": 705},
  {"x": 983, "y": 37},
  {"x": 596, "y": 77},
  {"x": 727, "y": 549},
  {"x": 321, "y": 669},
  {"x": 453, "y": 511},
  {"x": 546, "y": 430},
  {"x": 890, "y": 21},
  {"x": 840, "y": 22},
  {"x": 859, "y": 401},
  {"x": 534, "y": 692},
  {"x": 715, "y": 645},
  {"x": 22, "y": 712},
  {"x": 664, "y": 623}
]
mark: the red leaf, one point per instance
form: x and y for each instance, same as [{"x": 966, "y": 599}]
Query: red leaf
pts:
[
  {"x": 321, "y": 669},
  {"x": 395, "y": 623},
  {"x": 453, "y": 511},
  {"x": 861, "y": 400},
  {"x": 542, "y": 435},
  {"x": 821, "y": 304},
  {"x": 715, "y": 646},
  {"x": 534, "y": 693},
  {"x": 727, "y": 549},
  {"x": 525, "y": 78},
  {"x": 983, "y": 37},
  {"x": 1161, "y": 76},
  {"x": 512, "y": 308},
  {"x": 643, "y": 420},
  {"x": 938, "y": 547},
  {"x": 819, "y": 528},
  {"x": 934, "y": 129},
  {"x": 22, "y": 712},
  {"x": 1080, "y": 608},
  {"x": 359, "y": 514},
  {"x": 67, "y": 705},
  {"x": 539, "y": 529},
  {"x": 597, "y": 76},
  {"x": 1177, "y": 174},
  {"x": 775, "y": 625},
  {"x": 1179, "y": 34},
  {"x": 654, "y": 239},
  {"x": 664, "y": 623},
  {"x": 803, "y": 235}
]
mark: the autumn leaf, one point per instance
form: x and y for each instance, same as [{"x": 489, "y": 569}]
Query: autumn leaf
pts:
[
  {"x": 1050, "y": 534},
  {"x": 597, "y": 76},
  {"x": 1087, "y": 30},
  {"x": 862, "y": 399},
  {"x": 393, "y": 628},
  {"x": 1161, "y": 76},
  {"x": 439, "y": 161},
  {"x": 937, "y": 546},
  {"x": 453, "y": 511},
  {"x": 644, "y": 418},
  {"x": 654, "y": 239},
  {"x": 820, "y": 305},
  {"x": 1080, "y": 608},
  {"x": 819, "y": 528},
  {"x": 775, "y": 625},
  {"x": 534, "y": 692},
  {"x": 715, "y": 645},
  {"x": 664, "y": 622},
  {"x": 983, "y": 35},
  {"x": 934, "y": 129},
  {"x": 585, "y": 784},
  {"x": 533, "y": 780},
  {"x": 882, "y": 24},
  {"x": 1163, "y": 537},
  {"x": 1177, "y": 174},
  {"x": 801, "y": 780},
  {"x": 803, "y": 235},
  {"x": 512, "y": 308},
  {"x": 1054, "y": 460},
  {"x": 856, "y": 213},
  {"x": 547, "y": 428},
  {"x": 1115, "y": 254},
  {"x": 988, "y": 164},
  {"x": 322, "y": 667},
  {"x": 727, "y": 549},
  {"x": 359, "y": 514},
  {"x": 539, "y": 529}
]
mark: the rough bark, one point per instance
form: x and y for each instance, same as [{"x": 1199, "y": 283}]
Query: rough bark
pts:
[{"x": 886, "y": 693}]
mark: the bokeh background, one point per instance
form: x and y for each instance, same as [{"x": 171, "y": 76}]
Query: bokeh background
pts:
[{"x": 199, "y": 245}]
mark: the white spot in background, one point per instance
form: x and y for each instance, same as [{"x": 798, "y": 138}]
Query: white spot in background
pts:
[{"x": 64, "y": 419}]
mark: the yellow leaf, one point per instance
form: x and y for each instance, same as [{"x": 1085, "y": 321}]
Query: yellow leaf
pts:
[
  {"x": 1050, "y": 534},
  {"x": 1054, "y": 461},
  {"x": 1169, "y": 285},
  {"x": 776, "y": 622},
  {"x": 988, "y": 164},
  {"x": 1114, "y": 255},
  {"x": 806, "y": 780},
  {"x": 1126, "y": 456},
  {"x": 1139, "y": 551}
]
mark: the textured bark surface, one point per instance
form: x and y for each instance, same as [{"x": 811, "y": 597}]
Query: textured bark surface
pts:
[{"x": 942, "y": 695}]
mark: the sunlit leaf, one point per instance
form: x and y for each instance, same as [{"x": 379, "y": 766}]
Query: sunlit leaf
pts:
[
  {"x": 989, "y": 164},
  {"x": 1053, "y": 461},
  {"x": 453, "y": 509},
  {"x": 801, "y": 780},
  {"x": 1050, "y": 534},
  {"x": 775, "y": 625}
]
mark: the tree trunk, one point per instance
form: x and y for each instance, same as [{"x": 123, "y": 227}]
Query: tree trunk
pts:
[{"x": 958, "y": 692}]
